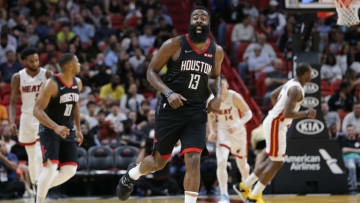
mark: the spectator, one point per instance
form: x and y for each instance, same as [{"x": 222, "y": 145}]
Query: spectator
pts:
[
  {"x": 250, "y": 10},
  {"x": 32, "y": 37},
  {"x": 342, "y": 99},
  {"x": 353, "y": 118},
  {"x": 116, "y": 117},
  {"x": 260, "y": 62},
  {"x": 330, "y": 71},
  {"x": 275, "y": 19},
  {"x": 96, "y": 15},
  {"x": 149, "y": 127},
  {"x": 65, "y": 35},
  {"x": 101, "y": 78},
  {"x": 5, "y": 47},
  {"x": 322, "y": 28},
  {"x": 10, "y": 186},
  {"x": 146, "y": 41},
  {"x": 266, "y": 48},
  {"x": 112, "y": 57},
  {"x": 132, "y": 100},
  {"x": 143, "y": 112},
  {"x": 350, "y": 147},
  {"x": 90, "y": 115},
  {"x": 331, "y": 117},
  {"x": 114, "y": 90},
  {"x": 107, "y": 134},
  {"x": 274, "y": 79},
  {"x": 235, "y": 13},
  {"x": 42, "y": 30},
  {"x": 3, "y": 113},
  {"x": 130, "y": 136},
  {"x": 89, "y": 135},
  {"x": 243, "y": 32},
  {"x": 136, "y": 60},
  {"x": 82, "y": 29},
  {"x": 103, "y": 32},
  {"x": 9, "y": 68}
]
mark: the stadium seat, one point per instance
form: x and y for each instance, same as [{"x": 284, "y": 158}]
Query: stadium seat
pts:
[
  {"x": 336, "y": 85},
  {"x": 241, "y": 50},
  {"x": 116, "y": 21},
  {"x": 125, "y": 155},
  {"x": 100, "y": 158},
  {"x": 228, "y": 42},
  {"x": 82, "y": 158}
]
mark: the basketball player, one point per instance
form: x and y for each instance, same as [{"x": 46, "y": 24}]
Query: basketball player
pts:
[
  {"x": 288, "y": 98},
  {"x": 227, "y": 127},
  {"x": 28, "y": 82},
  {"x": 181, "y": 113},
  {"x": 57, "y": 109}
]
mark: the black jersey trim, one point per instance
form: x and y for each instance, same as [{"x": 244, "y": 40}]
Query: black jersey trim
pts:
[
  {"x": 194, "y": 48},
  {"x": 61, "y": 80}
]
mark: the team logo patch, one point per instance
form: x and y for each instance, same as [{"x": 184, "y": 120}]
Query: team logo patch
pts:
[
  {"x": 74, "y": 87},
  {"x": 208, "y": 55}
]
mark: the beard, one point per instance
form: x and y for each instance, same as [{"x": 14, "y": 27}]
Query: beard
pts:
[{"x": 198, "y": 37}]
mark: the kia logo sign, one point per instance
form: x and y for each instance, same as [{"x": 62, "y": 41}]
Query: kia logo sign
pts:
[
  {"x": 311, "y": 88},
  {"x": 310, "y": 126},
  {"x": 310, "y": 102},
  {"x": 314, "y": 73}
]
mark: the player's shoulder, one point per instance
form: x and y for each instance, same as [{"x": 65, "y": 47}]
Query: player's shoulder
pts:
[
  {"x": 173, "y": 42},
  {"x": 16, "y": 77}
]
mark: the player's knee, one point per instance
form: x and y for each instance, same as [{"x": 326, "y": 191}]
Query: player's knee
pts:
[
  {"x": 192, "y": 160},
  {"x": 222, "y": 164},
  {"x": 69, "y": 171}
]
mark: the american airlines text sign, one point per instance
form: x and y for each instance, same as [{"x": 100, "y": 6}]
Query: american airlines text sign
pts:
[
  {"x": 311, "y": 88},
  {"x": 310, "y": 126},
  {"x": 310, "y": 102}
]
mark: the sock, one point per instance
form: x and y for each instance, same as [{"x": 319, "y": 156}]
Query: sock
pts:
[
  {"x": 134, "y": 173},
  {"x": 190, "y": 197},
  {"x": 64, "y": 174},
  {"x": 250, "y": 181},
  {"x": 45, "y": 179},
  {"x": 35, "y": 161},
  {"x": 222, "y": 177},
  {"x": 258, "y": 189}
]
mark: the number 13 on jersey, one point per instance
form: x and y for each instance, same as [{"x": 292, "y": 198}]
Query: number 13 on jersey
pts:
[{"x": 194, "y": 81}]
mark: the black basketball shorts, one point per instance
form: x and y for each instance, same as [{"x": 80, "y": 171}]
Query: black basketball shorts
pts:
[
  {"x": 56, "y": 149},
  {"x": 187, "y": 124}
]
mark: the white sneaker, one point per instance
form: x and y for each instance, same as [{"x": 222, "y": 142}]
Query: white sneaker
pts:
[{"x": 224, "y": 199}]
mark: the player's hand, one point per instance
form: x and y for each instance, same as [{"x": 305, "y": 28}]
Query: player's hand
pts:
[
  {"x": 214, "y": 105},
  {"x": 79, "y": 137},
  {"x": 13, "y": 129},
  {"x": 62, "y": 131},
  {"x": 176, "y": 100},
  {"x": 311, "y": 113}
]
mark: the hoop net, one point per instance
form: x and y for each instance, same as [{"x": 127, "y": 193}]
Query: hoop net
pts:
[{"x": 347, "y": 12}]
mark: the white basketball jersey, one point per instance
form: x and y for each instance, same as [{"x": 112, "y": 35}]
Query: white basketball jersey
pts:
[
  {"x": 278, "y": 109},
  {"x": 228, "y": 115},
  {"x": 30, "y": 88}
]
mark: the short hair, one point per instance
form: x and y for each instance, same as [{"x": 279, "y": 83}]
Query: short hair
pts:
[
  {"x": 65, "y": 59},
  {"x": 90, "y": 103},
  {"x": 145, "y": 102},
  {"x": 302, "y": 68},
  {"x": 28, "y": 52},
  {"x": 200, "y": 7},
  {"x": 344, "y": 85}
]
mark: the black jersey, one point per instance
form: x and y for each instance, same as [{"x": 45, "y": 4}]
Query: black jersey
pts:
[
  {"x": 61, "y": 108},
  {"x": 189, "y": 74}
]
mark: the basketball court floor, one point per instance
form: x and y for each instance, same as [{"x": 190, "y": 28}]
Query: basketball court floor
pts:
[{"x": 268, "y": 199}]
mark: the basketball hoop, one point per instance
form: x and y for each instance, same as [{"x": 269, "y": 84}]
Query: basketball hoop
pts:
[{"x": 347, "y": 12}]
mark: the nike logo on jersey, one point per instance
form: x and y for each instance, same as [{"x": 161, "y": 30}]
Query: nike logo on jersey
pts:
[
  {"x": 62, "y": 88},
  {"x": 188, "y": 51}
]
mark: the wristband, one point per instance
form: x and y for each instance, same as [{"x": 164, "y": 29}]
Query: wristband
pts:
[{"x": 168, "y": 93}]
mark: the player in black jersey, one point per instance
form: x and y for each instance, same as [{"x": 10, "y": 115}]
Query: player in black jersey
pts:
[
  {"x": 57, "y": 109},
  {"x": 181, "y": 114}
]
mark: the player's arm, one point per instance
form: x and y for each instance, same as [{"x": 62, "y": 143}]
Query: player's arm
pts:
[
  {"x": 166, "y": 51},
  {"x": 214, "y": 104},
  {"x": 48, "y": 74},
  {"x": 15, "y": 92},
  {"x": 294, "y": 96},
  {"x": 275, "y": 94},
  {"x": 49, "y": 90},
  {"x": 240, "y": 104},
  {"x": 79, "y": 136}
]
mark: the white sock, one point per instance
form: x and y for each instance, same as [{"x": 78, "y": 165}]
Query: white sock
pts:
[
  {"x": 64, "y": 174},
  {"x": 35, "y": 161},
  {"x": 190, "y": 197},
  {"x": 250, "y": 181},
  {"x": 258, "y": 189},
  {"x": 134, "y": 173},
  {"x": 45, "y": 179}
]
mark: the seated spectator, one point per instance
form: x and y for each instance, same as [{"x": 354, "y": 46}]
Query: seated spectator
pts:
[
  {"x": 107, "y": 134},
  {"x": 342, "y": 99},
  {"x": 116, "y": 117},
  {"x": 65, "y": 35},
  {"x": 243, "y": 32},
  {"x": 136, "y": 60},
  {"x": 331, "y": 117},
  {"x": 330, "y": 71},
  {"x": 10, "y": 186},
  {"x": 260, "y": 62},
  {"x": 143, "y": 111},
  {"x": 132, "y": 100},
  {"x": 274, "y": 79},
  {"x": 90, "y": 138},
  {"x": 112, "y": 57},
  {"x": 130, "y": 136},
  {"x": 150, "y": 124},
  {"x": 100, "y": 78},
  {"x": 82, "y": 29},
  {"x": 9, "y": 68},
  {"x": 266, "y": 48},
  {"x": 250, "y": 9},
  {"x": 42, "y": 29},
  {"x": 146, "y": 41},
  {"x": 274, "y": 18},
  {"x": 350, "y": 147},
  {"x": 5, "y": 46},
  {"x": 90, "y": 115},
  {"x": 353, "y": 118},
  {"x": 113, "y": 90}
]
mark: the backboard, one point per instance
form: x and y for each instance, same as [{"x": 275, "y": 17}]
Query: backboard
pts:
[{"x": 309, "y": 5}]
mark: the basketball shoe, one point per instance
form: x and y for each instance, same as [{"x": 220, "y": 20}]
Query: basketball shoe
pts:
[
  {"x": 125, "y": 185},
  {"x": 255, "y": 199},
  {"x": 241, "y": 190}
]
